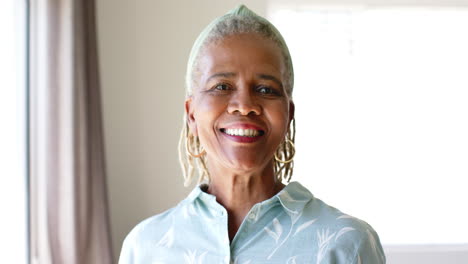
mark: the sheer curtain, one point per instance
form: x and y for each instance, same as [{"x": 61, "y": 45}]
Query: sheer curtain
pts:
[{"x": 69, "y": 209}]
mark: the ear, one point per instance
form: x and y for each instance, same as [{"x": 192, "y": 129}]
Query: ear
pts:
[
  {"x": 190, "y": 114},
  {"x": 292, "y": 109}
]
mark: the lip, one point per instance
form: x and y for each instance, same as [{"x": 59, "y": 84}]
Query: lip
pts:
[{"x": 242, "y": 139}]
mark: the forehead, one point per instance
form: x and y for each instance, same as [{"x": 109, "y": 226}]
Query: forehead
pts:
[{"x": 241, "y": 53}]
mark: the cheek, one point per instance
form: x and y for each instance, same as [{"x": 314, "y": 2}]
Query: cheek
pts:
[
  {"x": 280, "y": 118},
  {"x": 279, "y": 121},
  {"x": 208, "y": 104},
  {"x": 206, "y": 116},
  {"x": 205, "y": 130}
]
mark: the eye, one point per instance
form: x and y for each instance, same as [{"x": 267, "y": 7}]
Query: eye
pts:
[
  {"x": 266, "y": 90},
  {"x": 221, "y": 87}
]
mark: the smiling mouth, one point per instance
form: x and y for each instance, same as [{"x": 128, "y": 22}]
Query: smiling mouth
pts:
[{"x": 239, "y": 132}]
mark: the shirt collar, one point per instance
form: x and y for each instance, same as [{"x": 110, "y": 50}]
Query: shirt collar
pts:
[
  {"x": 293, "y": 197},
  {"x": 200, "y": 193}
]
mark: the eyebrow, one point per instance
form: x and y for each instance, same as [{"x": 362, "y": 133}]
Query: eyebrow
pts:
[
  {"x": 232, "y": 74},
  {"x": 221, "y": 74},
  {"x": 270, "y": 78}
]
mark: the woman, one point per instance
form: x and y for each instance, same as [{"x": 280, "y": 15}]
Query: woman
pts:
[{"x": 238, "y": 136}]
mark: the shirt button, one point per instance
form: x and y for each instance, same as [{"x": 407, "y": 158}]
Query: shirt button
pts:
[{"x": 252, "y": 216}]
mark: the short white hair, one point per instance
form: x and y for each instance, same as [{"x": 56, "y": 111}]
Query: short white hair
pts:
[{"x": 239, "y": 20}]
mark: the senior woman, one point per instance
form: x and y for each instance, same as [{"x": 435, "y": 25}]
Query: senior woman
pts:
[{"x": 238, "y": 136}]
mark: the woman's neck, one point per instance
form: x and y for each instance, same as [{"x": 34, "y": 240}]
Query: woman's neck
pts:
[{"x": 239, "y": 192}]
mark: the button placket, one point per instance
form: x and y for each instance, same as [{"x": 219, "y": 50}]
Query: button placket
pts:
[{"x": 252, "y": 216}]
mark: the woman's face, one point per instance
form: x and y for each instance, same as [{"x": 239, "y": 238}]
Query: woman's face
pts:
[{"x": 239, "y": 108}]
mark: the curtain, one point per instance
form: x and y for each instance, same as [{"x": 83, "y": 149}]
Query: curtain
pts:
[{"x": 69, "y": 219}]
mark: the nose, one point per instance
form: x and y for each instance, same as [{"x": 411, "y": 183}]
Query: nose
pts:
[{"x": 244, "y": 103}]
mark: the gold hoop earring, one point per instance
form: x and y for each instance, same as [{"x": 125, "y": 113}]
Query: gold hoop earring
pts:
[
  {"x": 187, "y": 148},
  {"x": 293, "y": 152}
]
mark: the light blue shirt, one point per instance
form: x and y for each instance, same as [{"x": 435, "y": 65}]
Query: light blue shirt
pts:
[{"x": 291, "y": 227}]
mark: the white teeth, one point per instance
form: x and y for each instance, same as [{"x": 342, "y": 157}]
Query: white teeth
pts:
[{"x": 242, "y": 132}]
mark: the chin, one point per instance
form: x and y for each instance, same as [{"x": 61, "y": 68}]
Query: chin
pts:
[{"x": 248, "y": 165}]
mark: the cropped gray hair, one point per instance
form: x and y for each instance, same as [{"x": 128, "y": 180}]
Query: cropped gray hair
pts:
[{"x": 240, "y": 20}]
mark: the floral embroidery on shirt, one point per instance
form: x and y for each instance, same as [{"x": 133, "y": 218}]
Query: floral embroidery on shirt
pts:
[
  {"x": 294, "y": 218},
  {"x": 192, "y": 258},
  {"x": 324, "y": 238},
  {"x": 188, "y": 211},
  {"x": 278, "y": 230},
  {"x": 168, "y": 239},
  {"x": 291, "y": 260},
  {"x": 304, "y": 226},
  {"x": 343, "y": 231}
]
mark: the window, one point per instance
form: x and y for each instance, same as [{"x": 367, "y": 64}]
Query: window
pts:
[
  {"x": 13, "y": 187},
  {"x": 382, "y": 115}
]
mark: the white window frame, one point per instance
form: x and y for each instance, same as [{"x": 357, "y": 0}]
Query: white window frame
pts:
[{"x": 14, "y": 239}]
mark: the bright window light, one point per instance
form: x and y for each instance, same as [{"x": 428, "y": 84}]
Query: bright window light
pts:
[
  {"x": 13, "y": 186},
  {"x": 382, "y": 116}
]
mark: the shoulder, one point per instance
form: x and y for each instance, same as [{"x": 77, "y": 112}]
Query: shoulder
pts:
[
  {"x": 345, "y": 237},
  {"x": 333, "y": 217},
  {"x": 351, "y": 239},
  {"x": 156, "y": 230},
  {"x": 151, "y": 224},
  {"x": 324, "y": 214},
  {"x": 158, "y": 225}
]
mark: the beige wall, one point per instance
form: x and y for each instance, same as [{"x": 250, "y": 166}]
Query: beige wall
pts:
[{"x": 143, "y": 47}]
